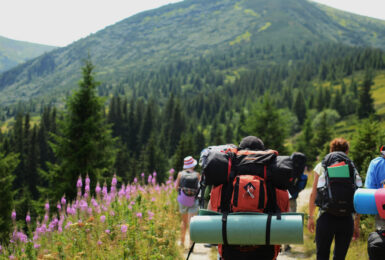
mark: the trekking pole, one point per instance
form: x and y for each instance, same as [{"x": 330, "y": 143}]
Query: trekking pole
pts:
[{"x": 190, "y": 251}]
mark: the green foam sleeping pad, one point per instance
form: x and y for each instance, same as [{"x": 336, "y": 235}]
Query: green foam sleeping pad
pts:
[{"x": 246, "y": 228}]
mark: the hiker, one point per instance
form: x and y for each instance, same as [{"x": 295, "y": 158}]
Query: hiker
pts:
[
  {"x": 279, "y": 203},
  {"x": 187, "y": 186},
  {"x": 375, "y": 179},
  {"x": 334, "y": 220},
  {"x": 293, "y": 195}
]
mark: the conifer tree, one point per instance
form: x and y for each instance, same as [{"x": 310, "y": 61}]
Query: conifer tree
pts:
[
  {"x": 84, "y": 143},
  {"x": 299, "y": 107},
  {"x": 364, "y": 144},
  {"x": 265, "y": 122},
  {"x": 322, "y": 135},
  {"x": 7, "y": 165},
  {"x": 365, "y": 105}
]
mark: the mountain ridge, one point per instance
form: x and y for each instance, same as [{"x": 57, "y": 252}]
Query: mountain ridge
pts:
[
  {"x": 186, "y": 31},
  {"x": 14, "y": 52}
]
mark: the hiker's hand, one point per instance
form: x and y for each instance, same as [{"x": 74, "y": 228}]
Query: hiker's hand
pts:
[
  {"x": 356, "y": 232},
  {"x": 310, "y": 224}
]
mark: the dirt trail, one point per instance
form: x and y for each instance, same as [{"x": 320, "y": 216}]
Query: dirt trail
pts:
[
  {"x": 297, "y": 251},
  {"x": 200, "y": 251}
]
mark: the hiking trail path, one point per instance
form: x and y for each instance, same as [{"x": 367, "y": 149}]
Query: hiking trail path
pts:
[{"x": 297, "y": 251}]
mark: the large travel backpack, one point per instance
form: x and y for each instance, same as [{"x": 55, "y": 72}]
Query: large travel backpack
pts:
[
  {"x": 376, "y": 245},
  {"x": 189, "y": 183},
  {"x": 248, "y": 189},
  {"x": 336, "y": 196}
]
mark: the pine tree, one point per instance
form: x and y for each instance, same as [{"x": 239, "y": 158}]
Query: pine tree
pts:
[
  {"x": 299, "y": 107},
  {"x": 365, "y": 143},
  {"x": 265, "y": 122},
  {"x": 7, "y": 165},
  {"x": 366, "y": 102},
  {"x": 84, "y": 145},
  {"x": 322, "y": 136}
]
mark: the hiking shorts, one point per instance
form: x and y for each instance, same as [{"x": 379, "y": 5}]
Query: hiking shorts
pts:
[{"x": 191, "y": 210}]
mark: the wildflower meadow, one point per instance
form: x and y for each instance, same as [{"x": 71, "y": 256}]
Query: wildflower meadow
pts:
[{"x": 137, "y": 221}]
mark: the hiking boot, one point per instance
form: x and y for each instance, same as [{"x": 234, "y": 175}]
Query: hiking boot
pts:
[{"x": 287, "y": 248}]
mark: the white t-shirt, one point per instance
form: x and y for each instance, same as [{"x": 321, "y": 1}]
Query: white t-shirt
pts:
[{"x": 321, "y": 172}]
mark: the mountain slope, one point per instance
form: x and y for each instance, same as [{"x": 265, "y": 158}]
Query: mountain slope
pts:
[
  {"x": 186, "y": 31},
  {"x": 13, "y": 52}
]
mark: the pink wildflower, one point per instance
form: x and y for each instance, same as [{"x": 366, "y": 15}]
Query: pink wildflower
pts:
[
  {"x": 153, "y": 199},
  {"x": 36, "y": 246},
  {"x": 112, "y": 213},
  {"x": 58, "y": 206},
  {"x": 87, "y": 188},
  {"x": 114, "y": 181},
  {"x": 149, "y": 180},
  {"x": 63, "y": 200},
  {"x": 99, "y": 242},
  {"x": 46, "y": 206},
  {"x": 150, "y": 215},
  {"x": 79, "y": 183},
  {"x": 139, "y": 214},
  {"x": 13, "y": 215},
  {"x": 135, "y": 180},
  {"x": 102, "y": 218},
  {"x": 123, "y": 228},
  {"x": 88, "y": 180},
  {"x": 28, "y": 218},
  {"x": 107, "y": 231}
]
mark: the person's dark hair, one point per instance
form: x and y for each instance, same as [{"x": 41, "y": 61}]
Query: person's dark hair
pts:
[
  {"x": 339, "y": 145},
  {"x": 251, "y": 143}
]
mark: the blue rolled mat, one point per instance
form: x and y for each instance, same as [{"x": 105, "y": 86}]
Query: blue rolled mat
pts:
[
  {"x": 364, "y": 201},
  {"x": 247, "y": 229}
]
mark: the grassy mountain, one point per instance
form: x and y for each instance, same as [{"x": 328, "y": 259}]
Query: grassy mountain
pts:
[
  {"x": 14, "y": 52},
  {"x": 187, "y": 31}
]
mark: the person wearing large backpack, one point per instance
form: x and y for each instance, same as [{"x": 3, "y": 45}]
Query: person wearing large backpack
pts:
[
  {"x": 187, "y": 185},
  {"x": 375, "y": 179},
  {"x": 270, "y": 199},
  {"x": 335, "y": 182}
]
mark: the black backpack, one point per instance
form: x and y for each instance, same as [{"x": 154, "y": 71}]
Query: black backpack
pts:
[
  {"x": 376, "y": 245},
  {"x": 189, "y": 183},
  {"x": 336, "y": 196}
]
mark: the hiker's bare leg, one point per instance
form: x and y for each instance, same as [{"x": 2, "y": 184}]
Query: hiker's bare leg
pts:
[{"x": 184, "y": 225}]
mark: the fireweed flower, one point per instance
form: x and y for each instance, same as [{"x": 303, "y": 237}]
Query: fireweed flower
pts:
[
  {"x": 123, "y": 228},
  {"x": 135, "y": 180},
  {"x": 46, "y": 206},
  {"x": 150, "y": 215},
  {"x": 112, "y": 213},
  {"x": 13, "y": 215},
  {"x": 58, "y": 206},
  {"x": 28, "y": 218},
  {"x": 97, "y": 189},
  {"x": 102, "y": 218},
  {"x": 139, "y": 214},
  {"x": 114, "y": 181},
  {"x": 87, "y": 188},
  {"x": 79, "y": 183},
  {"x": 87, "y": 180},
  {"x": 107, "y": 231},
  {"x": 99, "y": 242}
]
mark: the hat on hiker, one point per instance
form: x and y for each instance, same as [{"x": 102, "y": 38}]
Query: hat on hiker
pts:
[
  {"x": 189, "y": 162},
  {"x": 382, "y": 150},
  {"x": 251, "y": 143}
]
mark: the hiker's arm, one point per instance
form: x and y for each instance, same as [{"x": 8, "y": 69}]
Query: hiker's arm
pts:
[
  {"x": 356, "y": 233},
  {"x": 311, "y": 221},
  {"x": 177, "y": 182}
]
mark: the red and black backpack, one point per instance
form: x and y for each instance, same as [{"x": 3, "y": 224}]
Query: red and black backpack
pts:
[{"x": 247, "y": 186}]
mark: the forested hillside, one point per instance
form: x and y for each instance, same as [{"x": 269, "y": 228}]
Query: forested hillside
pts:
[
  {"x": 14, "y": 52},
  {"x": 188, "y": 32}
]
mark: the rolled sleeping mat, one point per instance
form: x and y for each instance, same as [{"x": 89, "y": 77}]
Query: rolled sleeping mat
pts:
[
  {"x": 248, "y": 229},
  {"x": 365, "y": 202}
]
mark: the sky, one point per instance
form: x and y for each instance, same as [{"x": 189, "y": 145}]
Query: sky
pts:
[{"x": 61, "y": 22}]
